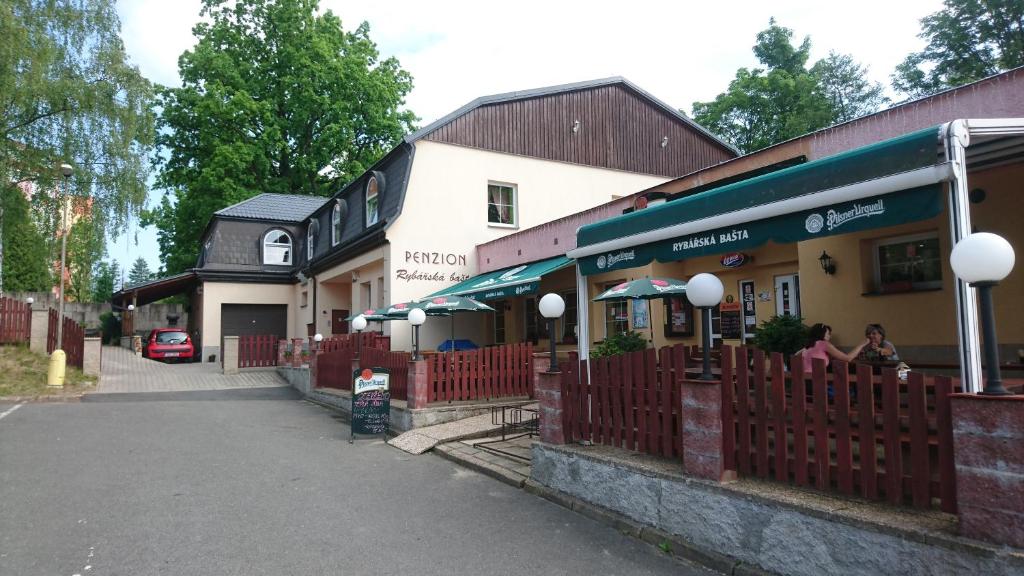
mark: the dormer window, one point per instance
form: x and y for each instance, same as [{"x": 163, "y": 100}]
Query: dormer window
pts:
[
  {"x": 277, "y": 248},
  {"x": 372, "y": 201},
  {"x": 336, "y": 224}
]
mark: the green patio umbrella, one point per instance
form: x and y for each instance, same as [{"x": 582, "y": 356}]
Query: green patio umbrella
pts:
[
  {"x": 645, "y": 289},
  {"x": 450, "y": 306},
  {"x": 371, "y": 315}
]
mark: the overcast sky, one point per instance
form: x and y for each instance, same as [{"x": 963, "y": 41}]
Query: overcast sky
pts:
[{"x": 680, "y": 52}]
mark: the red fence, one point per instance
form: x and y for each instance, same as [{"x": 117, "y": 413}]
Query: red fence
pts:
[
  {"x": 397, "y": 364},
  {"x": 334, "y": 369},
  {"x": 860, "y": 433},
  {"x": 15, "y": 321},
  {"x": 256, "y": 351},
  {"x": 73, "y": 338},
  {"x": 496, "y": 372},
  {"x": 630, "y": 401},
  {"x": 365, "y": 339}
]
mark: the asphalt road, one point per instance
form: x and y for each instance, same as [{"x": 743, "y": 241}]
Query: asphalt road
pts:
[{"x": 257, "y": 481}]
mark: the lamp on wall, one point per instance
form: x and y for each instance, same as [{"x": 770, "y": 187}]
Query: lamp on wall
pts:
[
  {"x": 705, "y": 292},
  {"x": 416, "y": 317},
  {"x": 827, "y": 263},
  {"x": 982, "y": 260}
]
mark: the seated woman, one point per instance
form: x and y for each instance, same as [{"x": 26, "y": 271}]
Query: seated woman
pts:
[
  {"x": 878, "y": 349},
  {"x": 819, "y": 345}
]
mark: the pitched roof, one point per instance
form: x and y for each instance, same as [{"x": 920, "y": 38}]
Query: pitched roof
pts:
[
  {"x": 279, "y": 207},
  {"x": 550, "y": 90}
]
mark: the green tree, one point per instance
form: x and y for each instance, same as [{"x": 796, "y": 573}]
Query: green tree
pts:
[
  {"x": 785, "y": 99},
  {"x": 274, "y": 98},
  {"x": 967, "y": 40},
  {"x": 25, "y": 266},
  {"x": 69, "y": 94},
  {"x": 85, "y": 248},
  {"x": 104, "y": 279},
  {"x": 140, "y": 272},
  {"x": 843, "y": 82}
]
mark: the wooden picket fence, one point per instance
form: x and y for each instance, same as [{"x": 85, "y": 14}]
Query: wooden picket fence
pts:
[
  {"x": 15, "y": 321},
  {"x": 73, "y": 338},
  {"x": 334, "y": 369},
  {"x": 495, "y": 372},
  {"x": 629, "y": 401},
  {"x": 365, "y": 340},
  {"x": 257, "y": 351},
  {"x": 861, "y": 433},
  {"x": 397, "y": 364}
]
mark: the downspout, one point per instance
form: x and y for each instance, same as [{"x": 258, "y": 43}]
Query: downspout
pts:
[
  {"x": 315, "y": 327},
  {"x": 957, "y": 139}
]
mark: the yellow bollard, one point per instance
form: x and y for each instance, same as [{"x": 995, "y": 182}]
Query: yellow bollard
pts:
[{"x": 55, "y": 375}]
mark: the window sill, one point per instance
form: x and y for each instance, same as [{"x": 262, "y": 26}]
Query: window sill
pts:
[
  {"x": 498, "y": 225},
  {"x": 900, "y": 291}
]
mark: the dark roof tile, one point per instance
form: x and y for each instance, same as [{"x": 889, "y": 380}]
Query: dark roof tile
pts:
[{"x": 279, "y": 207}]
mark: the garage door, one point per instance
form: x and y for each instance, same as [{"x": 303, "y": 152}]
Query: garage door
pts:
[{"x": 246, "y": 319}]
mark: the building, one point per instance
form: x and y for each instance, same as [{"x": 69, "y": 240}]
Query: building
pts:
[{"x": 409, "y": 226}]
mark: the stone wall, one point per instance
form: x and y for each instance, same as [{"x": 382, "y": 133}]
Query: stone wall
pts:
[
  {"x": 767, "y": 526},
  {"x": 147, "y": 317}
]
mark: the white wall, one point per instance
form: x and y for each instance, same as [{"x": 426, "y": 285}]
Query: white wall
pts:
[
  {"x": 217, "y": 293},
  {"x": 445, "y": 217}
]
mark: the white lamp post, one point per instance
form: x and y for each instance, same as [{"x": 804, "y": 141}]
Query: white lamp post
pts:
[
  {"x": 705, "y": 292},
  {"x": 359, "y": 324},
  {"x": 552, "y": 307},
  {"x": 30, "y": 300},
  {"x": 416, "y": 317},
  {"x": 66, "y": 170},
  {"x": 318, "y": 338},
  {"x": 982, "y": 260}
]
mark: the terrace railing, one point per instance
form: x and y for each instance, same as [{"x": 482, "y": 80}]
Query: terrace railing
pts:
[{"x": 484, "y": 374}]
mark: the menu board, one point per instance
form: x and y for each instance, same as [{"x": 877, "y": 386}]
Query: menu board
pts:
[
  {"x": 731, "y": 325},
  {"x": 371, "y": 401}
]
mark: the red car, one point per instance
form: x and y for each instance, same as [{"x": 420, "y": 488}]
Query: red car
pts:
[{"x": 168, "y": 344}]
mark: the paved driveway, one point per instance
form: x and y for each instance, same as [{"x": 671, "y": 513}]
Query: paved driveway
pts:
[{"x": 123, "y": 371}]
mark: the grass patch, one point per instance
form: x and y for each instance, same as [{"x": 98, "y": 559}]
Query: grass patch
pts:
[{"x": 23, "y": 373}]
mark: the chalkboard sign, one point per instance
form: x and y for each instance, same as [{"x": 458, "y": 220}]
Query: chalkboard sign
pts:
[
  {"x": 371, "y": 401},
  {"x": 731, "y": 326}
]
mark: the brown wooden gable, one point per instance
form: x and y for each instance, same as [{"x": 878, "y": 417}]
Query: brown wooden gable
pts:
[{"x": 618, "y": 128}]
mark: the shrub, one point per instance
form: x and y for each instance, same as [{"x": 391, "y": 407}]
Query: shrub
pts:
[
  {"x": 111, "y": 326},
  {"x": 785, "y": 334},
  {"x": 619, "y": 344}
]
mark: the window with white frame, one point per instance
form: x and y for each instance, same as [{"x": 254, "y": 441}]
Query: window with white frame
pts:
[
  {"x": 908, "y": 262},
  {"x": 336, "y": 224},
  {"x": 616, "y": 314},
  {"x": 569, "y": 318},
  {"x": 277, "y": 248},
  {"x": 501, "y": 204},
  {"x": 310, "y": 242},
  {"x": 372, "y": 201}
]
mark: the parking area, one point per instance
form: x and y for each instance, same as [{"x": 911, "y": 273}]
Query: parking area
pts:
[{"x": 123, "y": 371}]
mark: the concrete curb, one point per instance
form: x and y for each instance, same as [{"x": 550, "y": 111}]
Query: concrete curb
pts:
[
  {"x": 49, "y": 398},
  {"x": 661, "y": 540},
  {"x": 676, "y": 547}
]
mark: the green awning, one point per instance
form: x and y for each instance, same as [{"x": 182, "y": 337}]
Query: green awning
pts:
[
  {"x": 514, "y": 281},
  {"x": 883, "y": 184}
]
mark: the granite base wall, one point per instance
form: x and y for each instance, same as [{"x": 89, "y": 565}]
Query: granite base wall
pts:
[{"x": 759, "y": 531}]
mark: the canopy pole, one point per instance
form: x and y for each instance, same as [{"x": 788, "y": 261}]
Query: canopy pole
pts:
[{"x": 957, "y": 139}]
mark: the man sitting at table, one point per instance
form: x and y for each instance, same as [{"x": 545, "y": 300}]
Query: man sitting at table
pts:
[{"x": 878, "y": 349}]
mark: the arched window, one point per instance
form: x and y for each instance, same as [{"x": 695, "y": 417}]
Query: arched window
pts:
[
  {"x": 372, "y": 201},
  {"x": 336, "y": 224},
  {"x": 277, "y": 248}
]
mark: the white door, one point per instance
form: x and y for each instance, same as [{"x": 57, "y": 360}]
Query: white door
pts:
[{"x": 787, "y": 295}]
